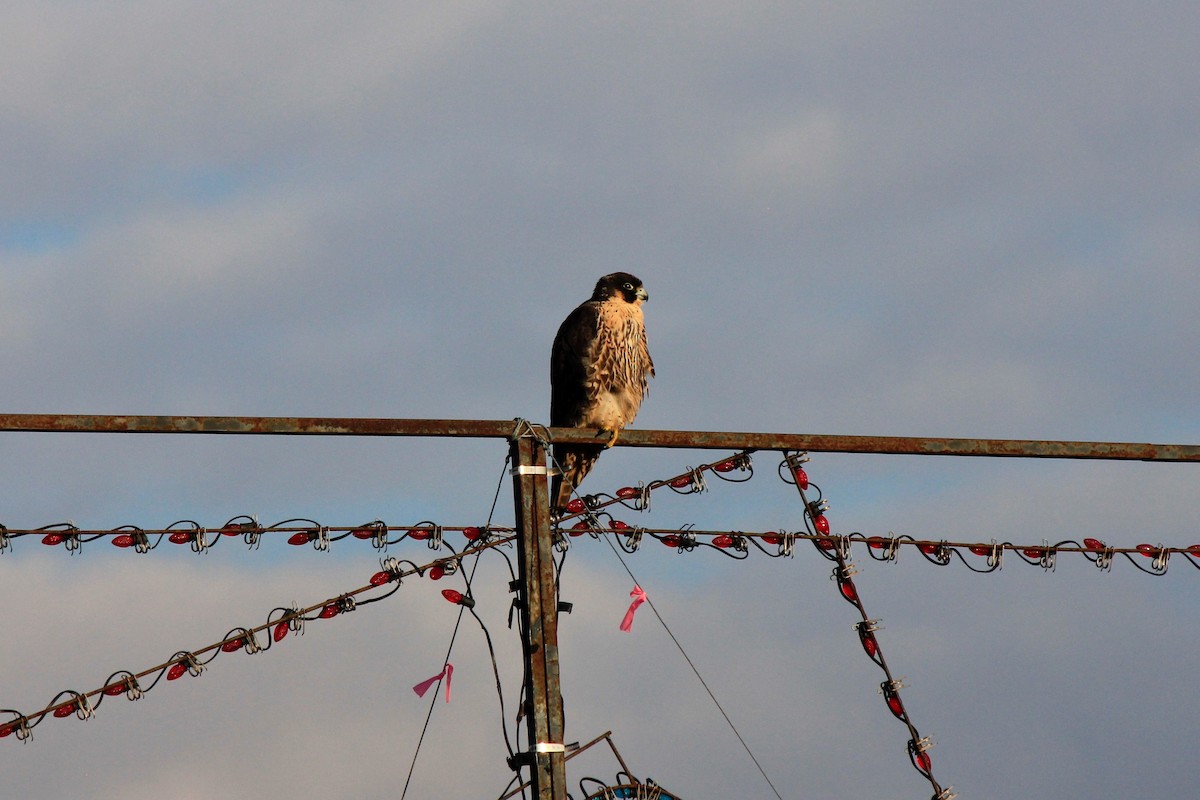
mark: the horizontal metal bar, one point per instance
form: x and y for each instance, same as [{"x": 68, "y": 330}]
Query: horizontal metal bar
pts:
[
  {"x": 507, "y": 429},
  {"x": 312, "y": 426},
  {"x": 910, "y": 445}
]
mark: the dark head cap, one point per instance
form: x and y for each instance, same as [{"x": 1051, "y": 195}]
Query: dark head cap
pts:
[{"x": 620, "y": 284}]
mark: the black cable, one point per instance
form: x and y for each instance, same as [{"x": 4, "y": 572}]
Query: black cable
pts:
[{"x": 453, "y": 636}]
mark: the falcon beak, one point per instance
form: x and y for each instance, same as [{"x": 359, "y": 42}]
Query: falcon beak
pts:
[{"x": 642, "y": 294}]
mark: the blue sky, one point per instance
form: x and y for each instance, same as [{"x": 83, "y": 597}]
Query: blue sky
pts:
[{"x": 887, "y": 218}]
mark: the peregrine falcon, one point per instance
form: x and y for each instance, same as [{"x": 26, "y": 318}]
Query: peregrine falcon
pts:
[{"x": 599, "y": 367}]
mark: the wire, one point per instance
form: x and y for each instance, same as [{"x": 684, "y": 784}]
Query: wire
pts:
[
  {"x": 699, "y": 677},
  {"x": 450, "y": 649}
]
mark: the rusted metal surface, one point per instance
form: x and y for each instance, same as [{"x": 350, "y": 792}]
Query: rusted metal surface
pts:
[
  {"x": 538, "y": 601},
  {"x": 908, "y": 445},
  {"x": 506, "y": 429},
  {"x": 312, "y": 426}
]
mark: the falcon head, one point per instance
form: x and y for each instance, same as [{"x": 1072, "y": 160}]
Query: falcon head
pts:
[{"x": 622, "y": 285}]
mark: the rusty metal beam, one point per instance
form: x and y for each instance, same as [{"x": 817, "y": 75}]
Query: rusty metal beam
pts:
[
  {"x": 506, "y": 429},
  {"x": 909, "y": 445},
  {"x": 313, "y": 426}
]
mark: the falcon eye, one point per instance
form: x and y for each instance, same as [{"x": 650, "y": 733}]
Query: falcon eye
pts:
[{"x": 629, "y": 287}]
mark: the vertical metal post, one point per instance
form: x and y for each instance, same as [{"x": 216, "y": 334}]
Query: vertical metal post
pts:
[{"x": 538, "y": 602}]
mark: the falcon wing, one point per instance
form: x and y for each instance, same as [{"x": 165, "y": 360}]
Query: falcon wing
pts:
[{"x": 570, "y": 357}]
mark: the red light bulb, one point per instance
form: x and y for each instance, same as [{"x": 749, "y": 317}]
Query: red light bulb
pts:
[
  {"x": 328, "y": 611},
  {"x": 848, "y": 590},
  {"x": 233, "y": 645},
  {"x": 821, "y": 523},
  {"x": 1034, "y": 552},
  {"x": 1148, "y": 550},
  {"x": 176, "y": 672},
  {"x": 682, "y": 482},
  {"x": 928, "y": 548},
  {"x": 772, "y": 537},
  {"x": 826, "y": 544},
  {"x": 628, "y": 492},
  {"x": 52, "y": 539},
  {"x": 7, "y": 730},
  {"x": 869, "y": 644},
  {"x": 472, "y": 533},
  {"x": 894, "y": 705},
  {"x": 578, "y": 528},
  {"x": 619, "y": 526},
  {"x": 725, "y": 466},
  {"x": 458, "y": 597},
  {"x": 363, "y": 533},
  {"x": 420, "y": 534},
  {"x": 281, "y": 630},
  {"x": 124, "y": 540},
  {"x": 380, "y": 578},
  {"x": 303, "y": 537},
  {"x": 922, "y": 761},
  {"x": 436, "y": 572},
  {"x": 876, "y": 542},
  {"x": 574, "y": 505},
  {"x": 981, "y": 549},
  {"x": 180, "y": 537},
  {"x": 1093, "y": 544},
  {"x": 671, "y": 540},
  {"x": 112, "y": 690},
  {"x": 64, "y": 711},
  {"x": 801, "y": 477},
  {"x": 1194, "y": 550},
  {"x": 233, "y": 529},
  {"x": 723, "y": 541}
]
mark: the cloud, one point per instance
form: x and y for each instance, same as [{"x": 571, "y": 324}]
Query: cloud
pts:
[{"x": 928, "y": 221}]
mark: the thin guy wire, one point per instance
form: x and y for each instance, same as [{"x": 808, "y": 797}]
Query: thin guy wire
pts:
[
  {"x": 457, "y": 623},
  {"x": 686, "y": 658},
  {"x": 699, "y": 677}
]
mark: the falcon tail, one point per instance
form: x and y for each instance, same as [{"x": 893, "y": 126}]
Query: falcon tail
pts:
[{"x": 574, "y": 463}]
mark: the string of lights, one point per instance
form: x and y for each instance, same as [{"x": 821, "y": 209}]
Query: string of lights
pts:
[
  {"x": 280, "y": 622},
  {"x": 593, "y": 517},
  {"x": 737, "y": 544},
  {"x": 1152, "y": 559},
  {"x": 816, "y": 522},
  {"x": 201, "y": 539}
]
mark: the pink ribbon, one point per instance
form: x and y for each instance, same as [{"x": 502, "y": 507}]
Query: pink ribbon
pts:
[
  {"x": 447, "y": 673},
  {"x": 639, "y": 597}
]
